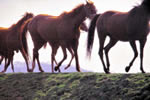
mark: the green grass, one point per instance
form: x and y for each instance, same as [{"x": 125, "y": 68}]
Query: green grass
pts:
[{"x": 74, "y": 86}]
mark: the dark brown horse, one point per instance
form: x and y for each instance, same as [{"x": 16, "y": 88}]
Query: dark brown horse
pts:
[
  {"x": 12, "y": 39},
  {"x": 82, "y": 27},
  {"x": 59, "y": 31},
  {"x": 69, "y": 47},
  {"x": 120, "y": 26}
]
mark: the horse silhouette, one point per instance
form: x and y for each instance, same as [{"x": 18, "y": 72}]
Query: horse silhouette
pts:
[
  {"x": 62, "y": 30},
  {"x": 11, "y": 40},
  {"x": 83, "y": 27},
  {"x": 121, "y": 26}
]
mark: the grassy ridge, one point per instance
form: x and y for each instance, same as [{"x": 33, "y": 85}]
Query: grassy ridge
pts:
[{"x": 74, "y": 86}]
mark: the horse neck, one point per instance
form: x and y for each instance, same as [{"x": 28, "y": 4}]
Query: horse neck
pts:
[
  {"x": 140, "y": 14},
  {"x": 18, "y": 24},
  {"x": 79, "y": 17}
]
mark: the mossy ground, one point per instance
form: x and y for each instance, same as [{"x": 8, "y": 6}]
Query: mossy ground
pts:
[{"x": 74, "y": 86}]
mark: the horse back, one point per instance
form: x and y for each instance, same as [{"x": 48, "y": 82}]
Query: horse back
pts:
[
  {"x": 113, "y": 23},
  {"x": 43, "y": 27}
]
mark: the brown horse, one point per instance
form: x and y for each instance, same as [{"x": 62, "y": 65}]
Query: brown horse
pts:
[
  {"x": 68, "y": 46},
  {"x": 82, "y": 27},
  {"x": 12, "y": 39},
  {"x": 120, "y": 26},
  {"x": 59, "y": 31}
]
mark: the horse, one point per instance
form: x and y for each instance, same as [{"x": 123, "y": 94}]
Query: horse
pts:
[
  {"x": 59, "y": 31},
  {"x": 82, "y": 27},
  {"x": 128, "y": 26},
  {"x": 12, "y": 39},
  {"x": 68, "y": 46}
]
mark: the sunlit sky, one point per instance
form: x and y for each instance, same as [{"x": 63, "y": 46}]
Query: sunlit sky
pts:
[{"x": 120, "y": 55}]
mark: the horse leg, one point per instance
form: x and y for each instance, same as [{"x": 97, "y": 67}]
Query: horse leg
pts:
[
  {"x": 142, "y": 44},
  {"x": 133, "y": 45},
  {"x": 55, "y": 61},
  {"x": 54, "y": 48},
  {"x": 26, "y": 60},
  {"x": 65, "y": 57},
  {"x": 111, "y": 43},
  {"x": 102, "y": 40},
  {"x": 6, "y": 64},
  {"x": 37, "y": 57},
  {"x": 54, "y": 54},
  {"x": 33, "y": 61},
  {"x": 38, "y": 43},
  {"x": 72, "y": 56},
  {"x": 75, "y": 48},
  {"x": 12, "y": 65},
  {"x": 52, "y": 64}
]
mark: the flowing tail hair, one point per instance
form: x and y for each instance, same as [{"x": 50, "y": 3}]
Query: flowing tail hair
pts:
[
  {"x": 23, "y": 38},
  {"x": 90, "y": 38}
]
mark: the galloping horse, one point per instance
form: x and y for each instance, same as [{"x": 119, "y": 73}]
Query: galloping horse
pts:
[
  {"x": 119, "y": 26},
  {"x": 59, "y": 31},
  {"x": 12, "y": 39},
  {"x": 69, "y": 47}
]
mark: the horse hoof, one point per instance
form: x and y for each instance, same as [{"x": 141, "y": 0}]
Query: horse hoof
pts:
[
  {"x": 66, "y": 67},
  {"x": 78, "y": 70},
  {"x": 143, "y": 71},
  {"x": 127, "y": 69},
  {"x": 3, "y": 71},
  {"x": 41, "y": 70},
  {"x": 30, "y": 70},
  {"x": 106, "y": 71},
  {"x": 56, "y": 68}
]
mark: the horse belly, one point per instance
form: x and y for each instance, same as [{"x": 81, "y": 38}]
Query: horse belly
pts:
[{"x": 48, "y": 33}]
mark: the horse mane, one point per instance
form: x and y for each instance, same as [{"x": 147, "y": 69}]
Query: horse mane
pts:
[
  {"x": 73, "y": 12},
  {"x": 19, "y": 23},
  {"x": 146, "y": 3}
]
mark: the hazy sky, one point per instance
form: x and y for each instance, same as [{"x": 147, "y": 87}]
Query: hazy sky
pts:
[{"x": 120, "y": 55}]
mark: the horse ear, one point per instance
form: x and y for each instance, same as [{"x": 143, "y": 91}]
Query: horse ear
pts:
[
  {"x": 86, "y": 1},
  {"x": 89, "y": 2}
]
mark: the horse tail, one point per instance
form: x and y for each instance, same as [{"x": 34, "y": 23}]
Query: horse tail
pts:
[
  {"x": 24, "y": 39},
  {"x": 91, "y": 34}
]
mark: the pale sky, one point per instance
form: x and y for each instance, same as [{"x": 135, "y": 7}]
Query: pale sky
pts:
[{"x": 120, "y": 55}]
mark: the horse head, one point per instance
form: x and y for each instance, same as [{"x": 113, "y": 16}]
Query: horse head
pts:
[
  {"x": 28, "y": 15},
  {"x": 90, "y": 9}
]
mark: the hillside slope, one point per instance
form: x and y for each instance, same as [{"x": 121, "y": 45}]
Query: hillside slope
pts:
[{"x": 74, "y": 86}]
